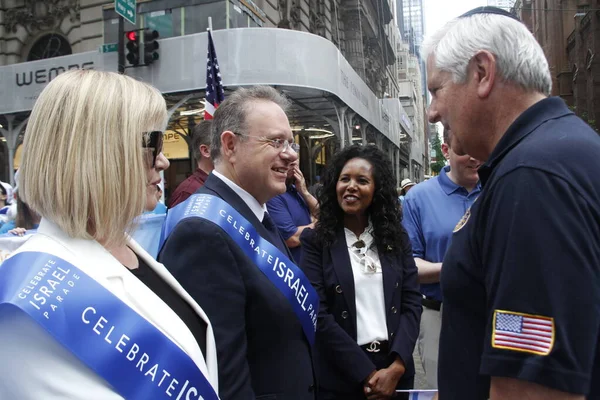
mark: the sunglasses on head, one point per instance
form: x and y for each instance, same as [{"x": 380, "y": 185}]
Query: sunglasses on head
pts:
[{"x": 153, "y": 141}]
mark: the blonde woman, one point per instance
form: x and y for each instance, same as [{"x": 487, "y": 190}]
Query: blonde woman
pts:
[{"x": 93, "y": 315}]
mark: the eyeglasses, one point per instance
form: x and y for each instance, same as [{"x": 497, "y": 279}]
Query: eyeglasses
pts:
[
  {"x": 153, "y": 141},
  {"x": 279, "y": 144}
]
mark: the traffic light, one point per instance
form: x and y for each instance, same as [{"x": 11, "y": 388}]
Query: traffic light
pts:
[
  {"x": 133, "y": 47},
  {"x": 150, "y": 46}
]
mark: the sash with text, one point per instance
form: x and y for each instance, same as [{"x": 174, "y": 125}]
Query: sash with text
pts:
[
  {"x": 107, "y": 335},
  {"x": 281, "y": 271}
]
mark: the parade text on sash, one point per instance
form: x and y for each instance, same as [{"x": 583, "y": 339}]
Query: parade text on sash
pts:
[
  {"x": 138, "y": 360},
  {"x": 281, "y": 271}
]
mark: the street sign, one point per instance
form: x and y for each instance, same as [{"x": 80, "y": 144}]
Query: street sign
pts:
[
  {"x": 109, "y": 48},
  {"x": 127, "y": 9}
]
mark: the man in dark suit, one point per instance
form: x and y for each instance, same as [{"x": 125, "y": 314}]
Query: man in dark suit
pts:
[{"x": 261, "y": 347}]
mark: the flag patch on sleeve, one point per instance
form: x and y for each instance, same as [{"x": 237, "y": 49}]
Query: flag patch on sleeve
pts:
[{"x": 523, "y": 332}]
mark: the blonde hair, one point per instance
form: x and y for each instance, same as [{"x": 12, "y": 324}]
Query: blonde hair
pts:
[{"x": 83, "y": 163}]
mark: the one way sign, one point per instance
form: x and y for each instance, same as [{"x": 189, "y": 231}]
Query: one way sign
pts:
[{"x": 127, "y": 9}]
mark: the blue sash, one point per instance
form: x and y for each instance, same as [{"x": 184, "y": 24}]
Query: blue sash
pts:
[
  {"x": 280, "y": 270},
  {"x": 122, "y": 347}
]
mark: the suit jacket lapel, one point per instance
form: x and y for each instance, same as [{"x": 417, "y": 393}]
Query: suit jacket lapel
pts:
[
  {"x": 343, "y": 269},
  {"x": 390, "y": 277},
  {"x": 194, "y": 351}
]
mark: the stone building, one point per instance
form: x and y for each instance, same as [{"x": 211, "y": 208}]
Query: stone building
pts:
[
  {"x": 568, "y": 31},
  {"x": 334, "y": 58},
  {"x": 410, "y": 78}
]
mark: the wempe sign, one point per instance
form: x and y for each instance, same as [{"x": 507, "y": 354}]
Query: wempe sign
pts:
[
  {"x": 45, "y": 75},
  {"x": 21, "y": 84}
]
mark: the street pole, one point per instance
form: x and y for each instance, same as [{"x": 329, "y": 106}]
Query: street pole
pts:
[{"x": 121, "y": 46}]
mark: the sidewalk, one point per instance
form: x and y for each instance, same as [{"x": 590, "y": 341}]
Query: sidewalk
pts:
[{"x": 420, "y": 381}]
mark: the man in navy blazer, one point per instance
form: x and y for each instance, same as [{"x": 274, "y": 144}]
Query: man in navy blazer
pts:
[{"x": 261, "y": 347}]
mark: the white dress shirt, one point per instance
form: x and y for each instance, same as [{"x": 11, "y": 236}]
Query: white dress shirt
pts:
[
  {"x": 368, "y": 285},
  {"x": 258, "y": 209}
]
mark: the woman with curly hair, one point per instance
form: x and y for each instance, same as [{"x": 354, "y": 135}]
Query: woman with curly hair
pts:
[{"x": 359, "y": 260}]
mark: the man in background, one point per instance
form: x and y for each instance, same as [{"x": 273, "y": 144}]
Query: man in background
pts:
[
  {"x": 431, "y": 210},
  {"x": 201, "y": 138},
  {"x": 294, "y": 210},
  {"x": 314, "y": 188},
  {"x": 405, "y": 186}
]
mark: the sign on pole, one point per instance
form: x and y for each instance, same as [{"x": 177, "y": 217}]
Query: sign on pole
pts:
[
  {"x": 109, "y": 48},
  {"x": 127, "y": 9}
]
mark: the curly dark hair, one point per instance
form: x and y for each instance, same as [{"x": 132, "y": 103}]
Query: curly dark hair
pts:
[{"x": 384, "y": 211}]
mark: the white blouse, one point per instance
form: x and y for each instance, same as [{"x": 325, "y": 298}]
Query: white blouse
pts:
[{"x": 368, "y": 285}]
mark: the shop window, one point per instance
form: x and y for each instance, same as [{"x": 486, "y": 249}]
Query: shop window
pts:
[
  {"x": 163, "y": 22},
  {"x": 196, "y": 17},
  {"x": 237, "y": 17}
]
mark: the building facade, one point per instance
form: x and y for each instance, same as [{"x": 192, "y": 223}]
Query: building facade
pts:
[
  {"x": 345, "y": 77},
  {"x": 568, "y": 31},
  {"x": 411, "y": 96},
  {"x": 413, "y": 23}
]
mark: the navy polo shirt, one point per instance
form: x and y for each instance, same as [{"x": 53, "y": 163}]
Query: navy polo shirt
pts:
[
  {"x": 521, "y": 279},
  {"x": 289, "y": 211},
  {"x": 430, "y": 212}
]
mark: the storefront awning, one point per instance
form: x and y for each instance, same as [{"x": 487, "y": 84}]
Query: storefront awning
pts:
[{"x": 309, "y": 68}]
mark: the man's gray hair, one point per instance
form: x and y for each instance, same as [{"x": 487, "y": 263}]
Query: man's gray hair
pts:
[
  {"x": 520, "y": 59},
  {"x": 233, "y": 112}
]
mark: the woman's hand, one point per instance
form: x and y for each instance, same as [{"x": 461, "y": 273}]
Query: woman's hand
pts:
[
  {"x": 383, "y": 384},
  {"x": 18, "y": 231}
]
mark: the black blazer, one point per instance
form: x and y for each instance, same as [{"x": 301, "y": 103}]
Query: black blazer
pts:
[
  {"x": 261, "y": 348},
  {"x": 341, "y": 364}
]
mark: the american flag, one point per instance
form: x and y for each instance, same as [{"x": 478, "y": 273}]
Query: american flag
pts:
[
  {"x": 215, "y": 94},
  {"x": 523, "y": 332}
]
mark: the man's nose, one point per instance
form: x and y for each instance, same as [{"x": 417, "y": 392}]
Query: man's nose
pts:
[
  {"x": 432, "y": 115},
  {"x": 289, "y": 155}
]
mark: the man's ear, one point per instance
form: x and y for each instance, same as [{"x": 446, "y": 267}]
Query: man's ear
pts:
[
  {"x": 446, "y": 151},
  {"x": 228, "y": 144},
  {"x": 482, "y": 68},
  {"x": 205, "y": 150}
]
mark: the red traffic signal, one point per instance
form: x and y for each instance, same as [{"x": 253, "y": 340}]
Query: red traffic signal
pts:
[{"x": 133, "y": 48}]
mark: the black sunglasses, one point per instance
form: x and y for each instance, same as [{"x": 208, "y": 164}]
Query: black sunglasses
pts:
[{"x": 153, "y": 141}]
